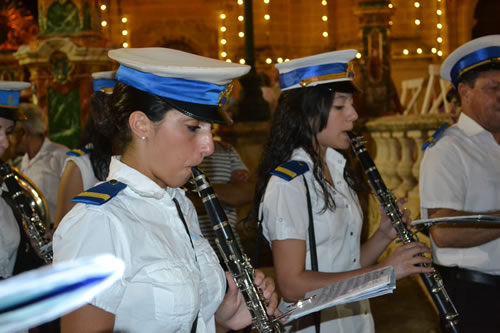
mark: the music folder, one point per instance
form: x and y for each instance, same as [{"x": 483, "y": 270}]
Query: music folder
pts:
[{"x": 360, "y": 287}]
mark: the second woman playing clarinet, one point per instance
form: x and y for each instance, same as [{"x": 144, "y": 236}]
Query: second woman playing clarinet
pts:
[{"x": 318, "y": 244}]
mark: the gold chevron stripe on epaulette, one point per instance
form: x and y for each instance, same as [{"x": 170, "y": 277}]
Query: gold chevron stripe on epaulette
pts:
[
  {"x": 286, "y": 171},
  {"x": 103, "y": 196}
]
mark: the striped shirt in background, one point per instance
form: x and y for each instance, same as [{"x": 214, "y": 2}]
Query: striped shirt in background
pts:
[{"x": 219, "y": 168}]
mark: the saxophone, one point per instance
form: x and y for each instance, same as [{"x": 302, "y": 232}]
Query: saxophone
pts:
[
  {"x": 236, "y": 261},
  {"x": 432, "y": 281},
  {"x": 29, "y": 209}
]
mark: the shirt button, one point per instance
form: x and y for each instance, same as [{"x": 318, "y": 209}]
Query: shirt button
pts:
[
  {"x": 352, "y": 233},
  {"x": 280, "y": 219},
  {"x": 346, "y": 206},
  {"x": 339, "y": 182},
  {"x": 354, "y": 260}
]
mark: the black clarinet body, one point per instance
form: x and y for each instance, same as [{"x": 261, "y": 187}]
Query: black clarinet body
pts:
[
  {"x": 236, "y": 261},
  {"x": 432, "y": 281}
]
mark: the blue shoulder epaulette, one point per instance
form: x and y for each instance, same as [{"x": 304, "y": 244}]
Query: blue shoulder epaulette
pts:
[
  {"x": 101, "y": 193},
  {"x": 77, "y": 152},
  {"x": 290, "y": 170},
  {"x": 435, "y": 137}
]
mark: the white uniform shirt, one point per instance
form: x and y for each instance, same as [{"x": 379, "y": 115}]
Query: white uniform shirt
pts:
[
  {"x": 338, "y": 232},
  {"x": 9, "y": 237},
  {"x": 165, "y": 285},
  {"x": 45, "y": 169},
  {"x": 86, "y": 170},
  {"x": 462, "y": 172}
]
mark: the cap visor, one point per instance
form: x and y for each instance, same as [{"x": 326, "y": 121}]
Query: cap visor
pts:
[{"x": 203, "y": 112}]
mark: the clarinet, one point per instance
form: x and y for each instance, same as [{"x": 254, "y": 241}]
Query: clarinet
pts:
[
  {"x": 29, "y": 221},
  {"x": 432, "y": 281},
  {"x": 236, "y": 261}
]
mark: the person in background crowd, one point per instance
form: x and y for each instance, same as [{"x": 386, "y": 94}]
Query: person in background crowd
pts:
[
  {"x": 43, "y": 159},
  {"x": 460, "y": 175},
  {"x": 89, "y": 164},
  {"x": 307, "y": 200},
  {"x": 161, "y": 112}
]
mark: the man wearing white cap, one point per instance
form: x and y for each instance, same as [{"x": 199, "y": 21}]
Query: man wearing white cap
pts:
[
  {"x": 10, "y": 233},
  {"x": 309, "y": 208},
  {"x": 160, "y": 112},
  {"x": 460, "y": 175}
]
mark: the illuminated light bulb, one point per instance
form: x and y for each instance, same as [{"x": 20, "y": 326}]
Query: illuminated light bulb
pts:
[
  {"x": 124, "y": 20},
  {"x": 390, "y": 22},
  {"x": 269, "y": 60},
  {"x": 266, "y": 1},
  {"x": 439, "y": 25},
  {"x": 124, "y": 32},
  {"x": 240, "y": 2},
  {"x": 417, "y": 22},
  {"x": 223, "y": 28},
  {"x": 125, "y": 44},
  {"x": 325, "y": 18},
  {"x": 419, "y": 50},
  {"x": 241, "y": 34},
  {"x": 242, "y": 61},
  {"x": 416, "y": 4},
  {"x": 240, "y": 18},
  {"x": 439, "y": 12},
  {"x": 103, "y": 7},
  {"x": 223, "y": 16},
  {"x": 228, "y": 60},
  {"x": 324, "y": 3},
  {"x": 325, "y": 34},
  {"x": 440, "y": 53},
  {"x": 287, "y": 58},
  {"x": 279, "y": 60},
  {"x": 358, "y": 55},
  {"x": 433, "y": 50},
  {"x": 389, "y": 5},
  {"x": 439, "y": 39},
  {"x": 405, "y": 52},
  {"x": 104, "y": 23},
  {"x": 267, "y": 17},
  {"x": 223, "y": 54},
  {"x": 223, "y": 41}
]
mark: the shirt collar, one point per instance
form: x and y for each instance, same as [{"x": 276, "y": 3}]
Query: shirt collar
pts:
[
  {"x": 468, "y": 125},
  {"x": 136, "y": 181},
  {"x": 333, "y": 157}
]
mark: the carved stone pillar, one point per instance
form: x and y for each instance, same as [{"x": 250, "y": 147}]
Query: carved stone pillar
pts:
[
  {"x": 61, "y": 59},
  {"x": 378, "y": 92},
  {"x": 405, "y": 165}
]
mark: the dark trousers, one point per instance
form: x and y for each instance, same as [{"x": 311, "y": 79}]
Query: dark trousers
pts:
[{"x": 477, "y": 303}]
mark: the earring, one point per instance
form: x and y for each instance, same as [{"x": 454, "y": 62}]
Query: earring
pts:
[{"x": 144, "y": 138}]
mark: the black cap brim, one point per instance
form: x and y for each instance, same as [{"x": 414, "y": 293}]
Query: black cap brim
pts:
[
  {"x": 12, "y": 113},
  {"x": 202, "y": 112}
]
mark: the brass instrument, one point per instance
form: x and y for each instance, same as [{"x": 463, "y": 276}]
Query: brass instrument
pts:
[
  {"x": 30, "y": 209},
  {"x": 236, "y": 261},
  {"x": 432, "y": 281}
]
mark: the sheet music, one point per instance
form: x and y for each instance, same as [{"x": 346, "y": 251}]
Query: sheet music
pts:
[
  {"x": 467, "y": 219},
  {"x": 360, "y": 287},
  {"x": 44, "y": 294}
]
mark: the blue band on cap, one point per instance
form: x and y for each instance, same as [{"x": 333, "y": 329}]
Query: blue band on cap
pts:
[
  {"x": 103, "y": 83},
  {"x": 472, "y": 59},
  {"x": 294, "y": 77},
  {"x": 9, "y": 97},
  {"x": 175, "y": 88}
]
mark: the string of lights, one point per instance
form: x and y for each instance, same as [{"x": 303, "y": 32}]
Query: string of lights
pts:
[{"x": 106, "y": 22}]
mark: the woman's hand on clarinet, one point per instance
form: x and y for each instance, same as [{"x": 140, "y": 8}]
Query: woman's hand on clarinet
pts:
[
  {"x": 386, "y": 227},
  {"x": 233, "y": 313},
  {"x": 405, "y": 259}
]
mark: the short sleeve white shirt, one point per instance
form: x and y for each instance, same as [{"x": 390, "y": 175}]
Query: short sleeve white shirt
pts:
[
  {"x": 166, "y": 283},
  {"x": 9, "y": 238},
  {"x": 285, "y": 216},
  {"x": 86, "y": 171},
  {"x": 462, "y": 172},
  {"x": 45, "y": 169}
]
